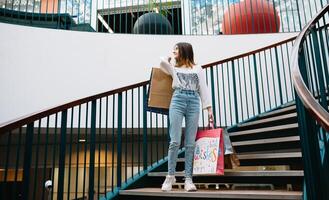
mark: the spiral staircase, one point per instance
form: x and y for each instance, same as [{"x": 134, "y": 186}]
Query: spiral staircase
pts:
[{"x": 282, "y": 149}]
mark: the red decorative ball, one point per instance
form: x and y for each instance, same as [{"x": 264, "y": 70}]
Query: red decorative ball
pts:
[{"x": 251, "y": 16}]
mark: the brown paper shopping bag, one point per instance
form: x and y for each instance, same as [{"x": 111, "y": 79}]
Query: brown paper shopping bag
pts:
[{"x": 161, "y": 91}]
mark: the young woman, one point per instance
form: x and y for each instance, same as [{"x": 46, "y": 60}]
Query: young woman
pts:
[{"x": 189, "y": 84}]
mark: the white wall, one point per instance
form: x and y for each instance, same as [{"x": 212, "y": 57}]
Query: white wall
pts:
[{"x": 40, "y": 68}]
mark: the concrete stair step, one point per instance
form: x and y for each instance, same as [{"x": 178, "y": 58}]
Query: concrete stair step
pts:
[{"x": 213, "y": 194}]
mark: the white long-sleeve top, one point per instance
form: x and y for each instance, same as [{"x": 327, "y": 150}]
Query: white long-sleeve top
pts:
[{"x": 188, "y": 79}]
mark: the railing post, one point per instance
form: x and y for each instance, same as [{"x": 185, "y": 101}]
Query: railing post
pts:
[
  {"x": 256, "y": 83},
  {"x": 213, "y": 94},
  {"x": 61, "y": 164},
  {"x": 92, "y": 150},
  {"x": 144, "y": 129},
  {"x": 234, "y": 94},
  {"x": 119, "y": 141},
  {"x": 278, "y": 74},
  {"x": 310, "y": 144},
  {"x": 27, "y": 159}
]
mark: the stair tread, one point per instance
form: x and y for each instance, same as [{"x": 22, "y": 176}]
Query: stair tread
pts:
[
  {"x": 271, "y": 119},
  {"x": 269, "y": 113},
  {"x": 262, "y": 130},
  {"x": 234, "y": 194},
  {"x": 267, "y": 141},
  {"x": 264, "y": 155},
  {"x": 269, "y": 155},
  {"x": 228, "y": 172}
]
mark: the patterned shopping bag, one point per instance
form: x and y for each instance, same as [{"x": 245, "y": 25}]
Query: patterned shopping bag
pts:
[{"x": 209, "y": 152}]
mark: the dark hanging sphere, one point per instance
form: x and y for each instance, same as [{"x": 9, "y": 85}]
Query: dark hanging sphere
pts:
[{"x": 152, "y": 23}]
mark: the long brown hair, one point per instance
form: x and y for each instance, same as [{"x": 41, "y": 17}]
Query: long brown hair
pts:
[{"x": 186, "y": 56}]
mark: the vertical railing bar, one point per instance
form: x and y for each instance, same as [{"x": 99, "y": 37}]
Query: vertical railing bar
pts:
[
  {"x": 114, "y": 18},
  {"x": 218, "y": 97},
  {"x": 119, "y": 142},
  {"x": 229, "y": 92},
  {"x": 285, "y": 3},
  {"x": 278, "y": 73},
  {"x": 224, "y": 99},
  {"x": 151, "y": 137},
  {"x": 106, "y": 141},
  {"x": 321, "y": 92},
  {"x": 144, "y": 129},
  {"x": 70, "y": 155},
  {"x": 299, "y": 19},
  {"x": 163, "y": 136},
  {"x": 36, "y": 159},
  {"x": 126, "y": 135},
  {"x": 45, "y": 158},
  {"x": 275, "y": 19},
  {"x": 27, "y": 159},
  {"x": 245, "y": 85},
  {"x": 17, "y": 162},
  {"x": 7, "y": 156},
  {"x": 132, "y": 132},
  {"x": 325, "y": 63},
  {"x": 85, "y": 152},
  {"x": 108, "y": 16},
  {"x": 258, "y": 24},
  {"x": 61, "y": 162},
  {"x": 201, "y": 17},
  {"x": 251, "y": 92},
  {"x": 284, "y": 73},
  {"x": 99, "y": 147},
  {"x": 262, "y": 81},
  {"x": 229, "y": 18},
  {"x": 190, "y": 16},
  {"x": 157, "y": 136},
  {"x": 113, "y": 143},
  {"x": 293, "y": 17},
  {"x": 205, "y": 8},
  {"x": 223, "y": 9},
  {"x": 240, "y": 90},
  {"x": 78, "y": 150},
  {"x": 256, "y": 84},
  {"x": 126, "y": 20},
  {"x": 281, "y": 18},
  {"x": 235, "y": 100},
  {"x": 139, "y": 130},
  {"x": 308, "y": 42},
  {"x": 212, "y": 19},
  {"x": 92, "y": 148},
  {"x": 291, "y": 84},
  {"x": 212, "y": 81},
  {"x": 276, "y": 103},
  {"x": 54, "y": 154},
  {"x": 179, "y": 23}
]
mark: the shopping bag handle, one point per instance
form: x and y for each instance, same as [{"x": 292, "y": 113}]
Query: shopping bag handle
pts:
[{"x": 211, "y": 125}]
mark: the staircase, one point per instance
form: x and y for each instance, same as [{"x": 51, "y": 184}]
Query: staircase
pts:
[{"x": 271, "y": 165}]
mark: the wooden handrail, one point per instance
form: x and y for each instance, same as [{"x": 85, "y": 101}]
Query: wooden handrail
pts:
[
  {"x": 248, "y": 53},
  {"x": 18, "y": 122},
  {"x": 310, "y": 103}
]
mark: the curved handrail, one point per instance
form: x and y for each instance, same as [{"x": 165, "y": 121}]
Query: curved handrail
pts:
[
  {"x": 310, "y": 103},
  {"x": 4, "y": 127}
]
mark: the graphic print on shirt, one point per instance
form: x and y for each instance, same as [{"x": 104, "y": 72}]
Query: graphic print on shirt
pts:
[{"x": 189, "y": 81}]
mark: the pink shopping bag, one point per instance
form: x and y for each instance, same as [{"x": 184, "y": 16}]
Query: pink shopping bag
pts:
[{"x": 209, "y": 152}]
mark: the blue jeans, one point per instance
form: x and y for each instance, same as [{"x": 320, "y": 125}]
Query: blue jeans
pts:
[{"x": 184, "y": 103}]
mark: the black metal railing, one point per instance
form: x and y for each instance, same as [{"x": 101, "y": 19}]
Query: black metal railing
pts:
[
  {"x": 98, "y": 145},
  {"x": 311, "y": 78},
  {"x": 187, "y": 17}
]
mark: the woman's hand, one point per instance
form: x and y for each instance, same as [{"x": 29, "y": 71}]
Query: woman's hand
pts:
[{"x": 210, "y": 115}]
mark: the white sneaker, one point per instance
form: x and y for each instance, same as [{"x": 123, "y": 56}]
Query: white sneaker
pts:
[
  {"x": 189, "y": 186},
  {"x": 167, "y": 184}
]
